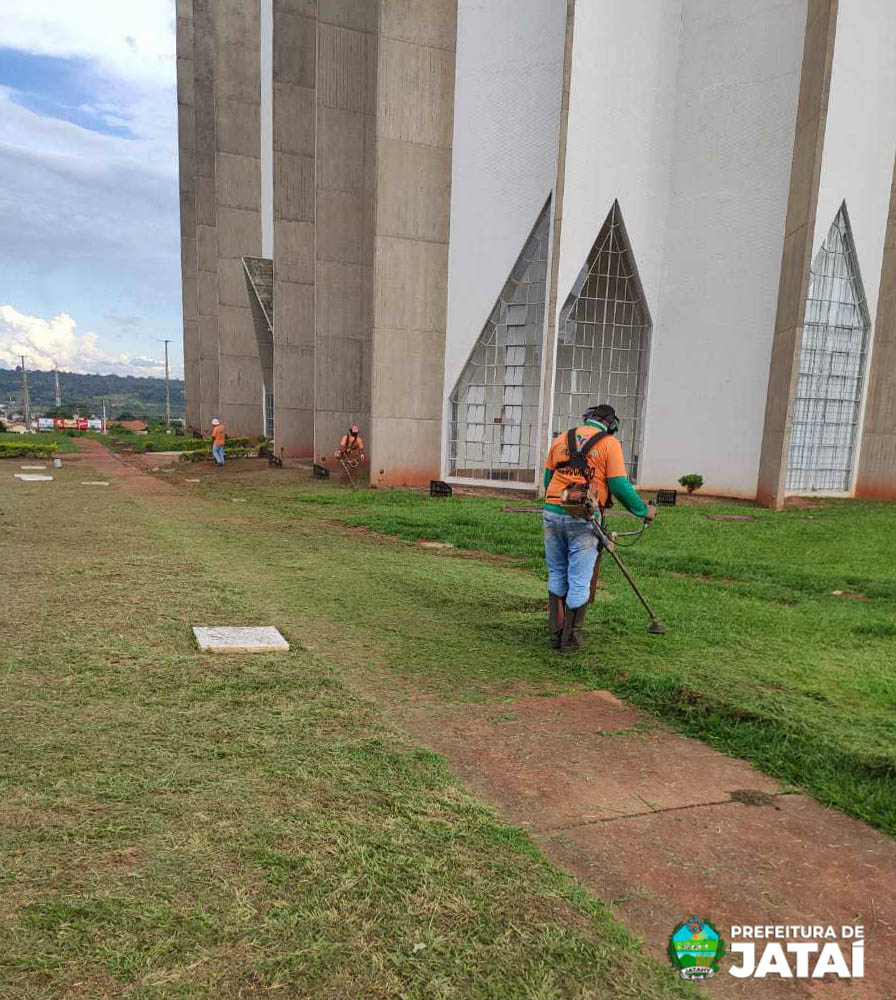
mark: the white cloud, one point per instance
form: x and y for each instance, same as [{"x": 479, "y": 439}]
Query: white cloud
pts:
[
  {"x": 55, "y": 343},
  {"x": 94, "y": 215},
  {"x": 129, "y": 40}
]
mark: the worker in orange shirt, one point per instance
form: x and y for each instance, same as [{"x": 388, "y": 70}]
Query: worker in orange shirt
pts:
[
  {"x": 584, "y": 468},
  {"x": 351, "y": 447},
  {"x": 219, "y": 436}
]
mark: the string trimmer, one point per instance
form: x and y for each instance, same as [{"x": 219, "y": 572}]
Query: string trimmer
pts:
[{"x": 608, "y": 541}]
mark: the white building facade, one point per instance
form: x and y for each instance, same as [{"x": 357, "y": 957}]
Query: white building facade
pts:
[{"x": 714, "y": 195}]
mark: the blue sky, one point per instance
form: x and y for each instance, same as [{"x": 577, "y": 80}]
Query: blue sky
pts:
[{"x": 89, "y": 252}]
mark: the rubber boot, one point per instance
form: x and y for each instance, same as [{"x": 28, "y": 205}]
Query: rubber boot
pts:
[
  {"x": 556, "y": 614},
  {"x": 571, "y": 637}
]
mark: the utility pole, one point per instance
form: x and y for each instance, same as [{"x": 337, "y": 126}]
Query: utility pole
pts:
[
  {"x": 25, "y": 394},
  {"x": 58, "y": 396},
  {"x": 104, "y": 414},
  {"x": 167, "y": 391}
]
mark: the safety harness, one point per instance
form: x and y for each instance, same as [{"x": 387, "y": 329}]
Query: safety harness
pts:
[{"x": 575, "y": 498}]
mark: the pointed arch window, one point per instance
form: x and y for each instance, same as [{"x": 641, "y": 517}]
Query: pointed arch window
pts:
[
  {"x": 828, "y": 396},
  {"x": 603, "y": 339},
  {"x": 493, "y": 429}
]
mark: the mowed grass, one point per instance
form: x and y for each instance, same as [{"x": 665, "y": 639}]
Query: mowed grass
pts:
[
  {"x": 762, "y": 658},
  {"x": 179, "y": 825}
]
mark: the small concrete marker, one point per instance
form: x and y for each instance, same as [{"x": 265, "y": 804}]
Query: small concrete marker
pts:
[
  {"x": 32, "y": 467},
  {"x": 94, "y": 482},
  {"x": 57, "y": 463},
  {"x": 238, "y": 500},
  {"x": 30, "y": 477},
  {"x": 192, "y": 480},
  {"x": 231, "y": 639}
]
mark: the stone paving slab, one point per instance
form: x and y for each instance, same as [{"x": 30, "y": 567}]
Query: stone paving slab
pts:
[
  {"x": 789, "y": 861},
  {"x": 94, "y": 482},
  {"x": 659, "y": 827},
  {"x": 229, "y": 639},
  {"x": 33, "y": 477},
  {"x": 32, "y": 468},
  {"x": 582, "y": 757}
]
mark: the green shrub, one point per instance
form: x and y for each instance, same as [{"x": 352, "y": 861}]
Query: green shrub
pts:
[
  {"x": 693, "y": 481},
  {"x": 27, "y": 449},
  {"x": 238, "y": 451}
]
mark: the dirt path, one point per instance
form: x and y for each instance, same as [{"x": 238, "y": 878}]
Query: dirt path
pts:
[
  {"x": 656, "y": 825},
  {"x": 91, "y": 453}
]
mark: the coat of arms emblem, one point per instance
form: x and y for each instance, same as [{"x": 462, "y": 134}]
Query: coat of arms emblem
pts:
[{"x": 695, "y": 948}]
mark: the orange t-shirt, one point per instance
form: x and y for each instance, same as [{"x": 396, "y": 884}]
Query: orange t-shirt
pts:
[
  {"x": 348, "y": 443},
  {"x": 605, "y": 460},
  {"x": 218, "y": 435}
]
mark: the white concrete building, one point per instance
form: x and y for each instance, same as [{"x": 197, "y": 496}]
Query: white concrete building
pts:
[
  {"x": 700, "y": 137},
  {"x": 486, "y": 215}
]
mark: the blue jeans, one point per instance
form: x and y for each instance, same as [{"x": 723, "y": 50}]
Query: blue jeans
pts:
[
  {"x": 570, "y": 550},
  {"x": 218, "y": 453}
]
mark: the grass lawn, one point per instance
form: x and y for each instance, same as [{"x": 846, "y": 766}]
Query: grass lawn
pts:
[
  {"x": 761, "y": 660},
  {"x": 179, "y": 825},
  {"x": 64, "y": 444}
]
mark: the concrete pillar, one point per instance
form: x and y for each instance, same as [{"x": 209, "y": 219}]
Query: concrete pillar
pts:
[
  {"x": 549, "y": 353},
  {"x": 414, "y": 124},
  {"x": 876, "y": 476},
  {"x": 294, "y": 61},
  {"x": 344, "y": 195},
  {"x": 207, "y": 247},
  {"x": 793, "y": 288},
  {"x": 237, "y": 54},
  {"x": 189, "y": 248}
]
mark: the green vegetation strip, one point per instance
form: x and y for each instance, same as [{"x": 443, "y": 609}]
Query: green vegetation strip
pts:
[
  {"x": 780, "y": 646},
  {"x": 180, "y": 825},
  {"x": 37, "y": 444}
]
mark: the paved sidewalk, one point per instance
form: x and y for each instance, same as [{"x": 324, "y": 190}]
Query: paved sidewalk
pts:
[{"x": 660, "y": 826}]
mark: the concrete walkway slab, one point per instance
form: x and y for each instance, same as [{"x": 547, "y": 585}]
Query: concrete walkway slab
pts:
[
  {"x": 583, "y": 757},
  {"x": 660, "y": 826},
  {"x": 33, "y": 477},
  {"x": 789, "y": 861},
  {"x": 32, "y": 468},
  {"x": 94, "y": 482},
  {"x": 229, "y": 639}
]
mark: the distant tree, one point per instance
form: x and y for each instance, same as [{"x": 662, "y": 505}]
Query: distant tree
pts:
[
  {"x": 63, "y": 412},
  {"x": 126, "y": 415},
  {"x": 2, "y": 427}
]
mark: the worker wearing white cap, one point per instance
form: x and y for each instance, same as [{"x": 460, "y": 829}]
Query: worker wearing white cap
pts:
[{"x": 218, "y": 439}]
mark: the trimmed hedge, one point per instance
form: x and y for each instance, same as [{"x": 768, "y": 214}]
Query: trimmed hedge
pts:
[
  {"x": 200, "y": 454},
  {"x": 26, "y": 449}
]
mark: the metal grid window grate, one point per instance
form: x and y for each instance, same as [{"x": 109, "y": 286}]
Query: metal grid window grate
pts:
[
  {"x": 493, "y": 430},
  {"x": 269, "y": 415},
  {"x": 828, "y": 393},
  {"x": 603, "y": 338}
]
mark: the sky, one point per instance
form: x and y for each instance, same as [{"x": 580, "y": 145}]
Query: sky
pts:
[{"x": 89, "y": 239}]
